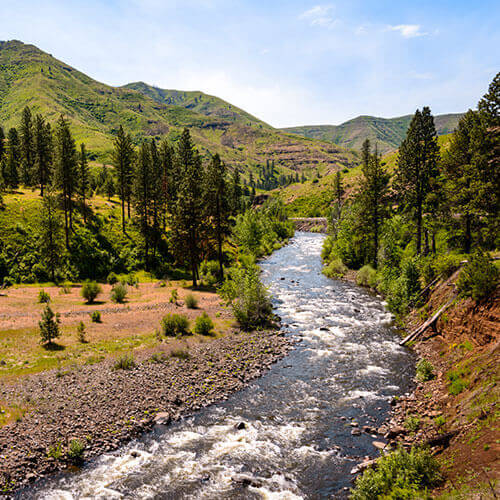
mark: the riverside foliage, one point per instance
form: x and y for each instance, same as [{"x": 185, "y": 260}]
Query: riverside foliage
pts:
[{"x": 420, "y": 223}]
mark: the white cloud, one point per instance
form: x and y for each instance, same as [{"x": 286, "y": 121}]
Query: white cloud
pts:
[
  {"x": 319, "y": 15},
  {"x": 407, "y": 30}
]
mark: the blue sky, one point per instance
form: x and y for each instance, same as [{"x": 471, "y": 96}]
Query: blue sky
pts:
[{"x": 287, "y": 62}]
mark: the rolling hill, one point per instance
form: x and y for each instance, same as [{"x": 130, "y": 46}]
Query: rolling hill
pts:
[
  {"x": 388, "y": 133},
  {"x": 29, "y": 76}
]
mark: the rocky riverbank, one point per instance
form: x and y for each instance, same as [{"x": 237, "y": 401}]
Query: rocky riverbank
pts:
[{"x": 103, "y": 407}]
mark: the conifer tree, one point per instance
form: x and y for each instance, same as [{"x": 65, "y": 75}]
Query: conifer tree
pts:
[
  {"x": 123, "y": 155},
  {"x": 27, "y": 147},
  {"x": 65, "y": 174},
  {"x": 49, "y": 326},
  {"x": 416, "y": 166},
  {"x": 156, "y": 193},
  {"x": 236, "y": 191},
  {"x": 168, "y": 179},
  {"x": 217, "y": 204},
  {"x": 51, "y": 235},
  {"x": 372, "y": 199},
  {"x": 83, "y": 179},
  {"x": 42, "y": 153},
  {"x": 187, "y": 217},
  {"x": 2, "y": 144},
  {"x": 11, "y": 175},
  {"x": 142, "y": 195}
]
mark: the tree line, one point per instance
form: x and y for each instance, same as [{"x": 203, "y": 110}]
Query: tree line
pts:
[{"x": 179, "y": 206}]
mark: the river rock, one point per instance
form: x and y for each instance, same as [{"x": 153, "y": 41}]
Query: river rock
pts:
[
  {"x": 240, "y": 425},
  {"x": 247, "y": 480},
  {"x": 162, "y": 418},
  {"x": 379, "y": 445}
]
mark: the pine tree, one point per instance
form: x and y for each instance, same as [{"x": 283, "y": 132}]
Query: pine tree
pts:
[
  {"x": 49, "y": 326},
  {"x": 109, "y": 187},
  {"x": 142, "y": 195},
  {"x": 156, "y": 193},
  {"x": 27, "y": 147},
  {"x": 187, "y": 218},
  {"x": 65, "y": 175},
  {"x": 123, "y": 155},
  {"x": 83, "y": 179},
  {"x": 51, "y": 235},
  {"x": 372, "y": 199},
  {"x": 217, "y": 204},
  {"x": 11, "y": 175},
  {"x": 236, "y": 192},
  {"x": 416, "y": 166},
  {"x": 168, "y": 180},
  {"x": 42, "y": 153},
  {"x": 2, "y": 144}
]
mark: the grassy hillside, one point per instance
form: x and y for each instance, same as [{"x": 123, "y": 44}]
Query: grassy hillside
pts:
[
  {"x": 29, "y": 76},
  {"x": 387, "y": 133},
  {"x": 314, "y": 197}
]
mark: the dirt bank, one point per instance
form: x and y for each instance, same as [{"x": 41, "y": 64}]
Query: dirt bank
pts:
[
  {"x": 105, "y": 407},
  {"x": 456, "y": 413}
]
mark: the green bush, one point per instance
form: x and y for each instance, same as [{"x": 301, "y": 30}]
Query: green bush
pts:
[
  {"x": 248, "y": 297},
  {"x": 75, "y": 450},
  {"x": 173, "y": 296},
  {"x": 399, "y": 475},
  {"x": 478, "y": 278},
  {"x": 119, "y": 293},
  {"x": 124, "y": 362},
  {"x": 367, "y": 276},
  {"x": 412, "y": 423},
  {"x": 43, "y": 297},
  {"x": 425, "y": 370},
  {"x": 446, "y": 265},
  {"x": 457, "y": 382},
  {"x": 66, "y": 287},
  {"x": 191, "y": 301},
  {"x": 335, "y": 269},
  {"x": 90, "y": 291},
  {"x": 209, "y": 271},
  {"x": 130, "y": 279},
  {"x": 95, "y": 317},
  {"x": 203, "y": 325},
  {"x": 173, "y": 325},
  {"x": 180, "y": 354},
  {"x": 112, "y": 278},
  {"x": 55, "y": 451},
  {"x": 439, "y": 421}
]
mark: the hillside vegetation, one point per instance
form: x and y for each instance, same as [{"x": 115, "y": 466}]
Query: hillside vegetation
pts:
[
  {"x": 388, "y": 133},
  {"x": 29, "y": 76}
]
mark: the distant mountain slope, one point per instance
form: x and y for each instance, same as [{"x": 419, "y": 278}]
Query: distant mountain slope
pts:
[
  {"x": 29, "y": 76},
  {"x": 388, "y": 133}
]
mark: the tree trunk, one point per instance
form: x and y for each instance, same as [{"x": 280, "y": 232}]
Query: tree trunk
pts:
[
  {"x": 468, "y": 235},
  {"x": 419, "y": 227}
]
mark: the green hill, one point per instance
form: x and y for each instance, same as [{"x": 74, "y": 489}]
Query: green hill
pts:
[
  {"x": 388, "y": 133},
  {"x": 29, "y": 76}
]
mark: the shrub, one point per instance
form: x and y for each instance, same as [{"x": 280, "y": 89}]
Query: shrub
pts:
[
  {"x": 112, "y": 278},
  {"x": 248, "y": 297},
  {"x": 446, "y": 265},
  {"x": 173, "y": 325},
  {"x": 203, "y": 325},
  {"x": 367, "y": 276},
  {"x": 66, "y": 288},
  {"x": 457, "y": 382},
  {"x": 80, "y": 332},
  {"x": 399, "y": 474},
  {"x": 180, "y": 354},
  {"x": 119, "y": 293},
  {"x": 49, "y": 326},
  {"x": 425, "y": 370},
  {"x": 43, "y": 297},
  {"x": 130, "y": 279},
  {"x": 173, "y": 296},
  {"x": 478, "y": 278},
  {"x": 75, "y": 450},
  {"x": 412, "y": 423},
  {"x": 191, "y": 301},
  {"x": 335, "y": 269},
  {"x": 125, "y": 362},
  {"x": 90, "y": 291},
  {"x": 95, "y": 317},
  {"x": 439, "y": 421},
  {"x": 55, "y": 451},
  {"x": 209, "y": 271}
]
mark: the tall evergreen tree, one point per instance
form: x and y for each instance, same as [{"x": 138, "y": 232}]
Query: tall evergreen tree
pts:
[
  {"x": 416, "y": 166},
  {"x": 236, "y": 191},
  {"x": 11, "y": 175},
  {"x": 142, "y": 195},
  {"x": 2, "y": 144},
  {"x": 187, "y": 217},
  {"x": 51, "y": 235},
  {"x": 65, "y": 174},
  {"x": 27, "y": 147},
  {"x": 156, "y": 193},
  {"x": 42, "y": 153},
  {"x": 123, "y": 155},
  {"x": 83, "y": 178},
  {"x": 168, "y": 180},
  {"x": 373, "y": 199},
  {"x": 217, "y": 204}
]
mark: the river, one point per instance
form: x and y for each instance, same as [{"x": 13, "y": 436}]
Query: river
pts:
[{"x": 297, "y": 440}]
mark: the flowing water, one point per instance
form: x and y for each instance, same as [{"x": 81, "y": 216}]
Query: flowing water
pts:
[{"x": 297, "y": 441}]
